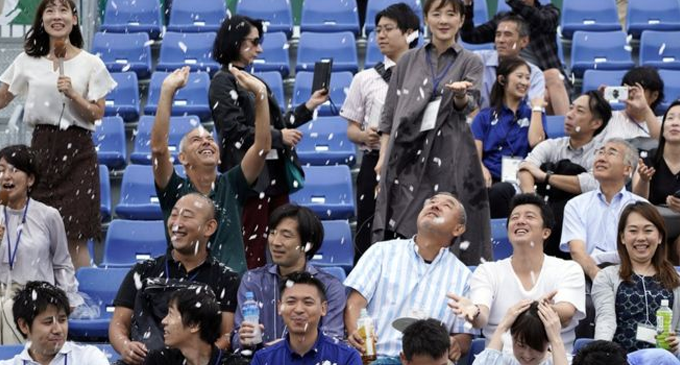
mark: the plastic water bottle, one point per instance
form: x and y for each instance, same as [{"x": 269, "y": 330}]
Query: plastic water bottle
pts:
[
  {"x": 251, "y": 314},
  {"x": 365, "y": 327},
  {"x": 664, "y": 317}
]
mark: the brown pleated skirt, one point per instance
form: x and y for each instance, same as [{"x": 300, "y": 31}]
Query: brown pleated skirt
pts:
[{"x": 69, "y": 178}]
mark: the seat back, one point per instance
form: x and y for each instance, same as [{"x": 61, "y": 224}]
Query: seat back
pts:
[
  {"x": 589, "y": 15},
  {"x": 101, "y": 285},
  {"x": 194, "y": 94},
  {"x": 340, "y": 82},
  {"x": 122, "y": 52},
  {"x": 340, "y": 46},
  {"x": 109, "y": 137},
  {"x": 329, "y": 16},
  {"x": 600, "y": 50},
  {"x": 187, "y": 49},
  {"x": 373, "y": 7},
  {"x": 327, "y": 191},
  {"x": 499, "y": 239},
  {"x": 138, "y": 186},
  {"x": 129, "y": 16},
  {"x": 660, "y": 49},
  {"x": 9, "y": 351},
  {"x": 196, "y": 16},
  {"x": 275, "y": 82},
  {"x": 128, "y": 242},
  {"x": 179, "y": 127},
  {"x": 644, "y": 15},
  {"x": 274, "y": 56},
  {"x": 104, "y": 193},
  {"x": 277, "y": 14},
  {"x": 325, "y": 142},
  {"x": 123, "y": 100},
  {"x": 337, "y": 248}
]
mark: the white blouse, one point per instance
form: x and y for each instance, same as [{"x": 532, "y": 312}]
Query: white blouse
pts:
[{"x": 36, "y": 78}]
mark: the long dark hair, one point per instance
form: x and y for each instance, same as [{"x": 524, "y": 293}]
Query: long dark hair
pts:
[
  {"x": 658, "y": 157},
  {"x": 232, "y": 32},
  {"x": 665, "y": 272},
  {"x": 37, "y": 41},
  {"x": 504, "y": 69}
]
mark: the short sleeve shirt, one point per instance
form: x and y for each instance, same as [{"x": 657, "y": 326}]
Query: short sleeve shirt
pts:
[{"x": 663, "y": 183}]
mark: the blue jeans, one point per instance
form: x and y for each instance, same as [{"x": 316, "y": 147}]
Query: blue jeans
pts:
[
  {"x": 652, "y": 356},
  {"x": 389, "y": 361}
]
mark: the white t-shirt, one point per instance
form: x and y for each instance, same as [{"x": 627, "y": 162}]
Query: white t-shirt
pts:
[
  {"x": 620, "y": 126},
  {"x": 74, "y": 354},
  {"x": 35, "y": 78},
  {"x": 495, "y": 285}
]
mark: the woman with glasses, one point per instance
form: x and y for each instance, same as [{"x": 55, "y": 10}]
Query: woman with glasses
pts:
[{"x": 238, "y": 43}]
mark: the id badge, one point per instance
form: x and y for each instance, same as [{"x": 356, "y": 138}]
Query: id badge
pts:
[
  {"x": 509, "y": 169},
  {"x": 646, "y": 333},
  {"x": 376, "y": 111},
  {"x": 430, "y": 115},
  {"x": 272, "y": 155}
]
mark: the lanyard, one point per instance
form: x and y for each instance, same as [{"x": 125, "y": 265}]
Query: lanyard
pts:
[
  {"x": 219, "y": 357},
  {"x": 436, "y": 79},
  {"x": 11, "y": 256},
  {"x": 167, "y": 272},
  {"x": 66, "y": 359},
  {"x": 507, "y": 132}
]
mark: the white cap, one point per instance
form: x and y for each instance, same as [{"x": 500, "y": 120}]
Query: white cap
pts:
[{"x": 664, "y": 302}]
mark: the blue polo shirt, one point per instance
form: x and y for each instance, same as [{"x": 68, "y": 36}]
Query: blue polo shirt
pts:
[
  {"x": 501, "y": 135},
  {"x": 325, "y": 349}
]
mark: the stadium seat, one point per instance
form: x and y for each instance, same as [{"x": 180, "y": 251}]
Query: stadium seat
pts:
[
  {"x": 329, "y": 16},
  {"x": 277, "y": 14},
  {"x": 375, "y": 6},
  {"x": 327, "y": 191},
  {"x": 337, "y": 248},
  {"x": 499, "y": 239},
  {"x": 336, "y": 271},
  {"x": 124, "y": 52},
  {"x": 123, "y": 100},
  {"x": 274, "y": 56},
  {"x": 192, "y": 99},
  {"x": 660, "y": 49},
  {"x": 555, "y": 125},
  {"x": 476, "y": 347},
  {"x": 104, "y": 194},
  {"x": 580, "y": 343},
  {"x": 138, "y": 198},
  {"x": 101, "y": 286},
  {"x": 476, "y": 47},
  {"x": 592, "y": 79},
  {"x": 340, "y": 82},
  {"x": 187, "y": 49},
  {"x": 109, "y": 351},
  {"x": 196, "y": 16},
  {"x": 275, "y": 82},
  {"x": 502, "y": 7},
  {"x": 671, "y": 90},
  {"x": 109, "y": 141},
  {"x": 9, "y": 351},
  {"x": 481, "y": 12},
  {"x": 644, "y": 15},
  {"x": 128, "y": 242},
  {"x": 133, "y": 16},
  {"x": 588, "y": 15},
  {"x": 600, "y": 51},
  {"x": 341, "y": 47},
  {"x": 179, "y": 126},
  {"x": 325, "y": 142}
]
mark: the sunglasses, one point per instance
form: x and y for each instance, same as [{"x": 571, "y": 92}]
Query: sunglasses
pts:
[{"x": 255, "y": 41}]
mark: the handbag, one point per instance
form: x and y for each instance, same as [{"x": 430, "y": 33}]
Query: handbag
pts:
[{"x": 294, "y": 176}]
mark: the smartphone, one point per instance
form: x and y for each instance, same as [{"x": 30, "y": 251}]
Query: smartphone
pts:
[
  {"x": 322, "y": 75},
  {"x": 677, "y": 194},
  {"x": 615, "y": 93}
]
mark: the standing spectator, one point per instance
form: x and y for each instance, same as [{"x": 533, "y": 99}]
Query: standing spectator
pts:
[
  {"x": 426, "y": 145},
  {"x": 238, "y": 43},
  {"x": 395, "y": 25},
  {"x": 65, "y": 89}
]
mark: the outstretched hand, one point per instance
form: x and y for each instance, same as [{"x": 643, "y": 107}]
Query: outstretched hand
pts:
[
  {"x": 249, "y": 82},
  {"x": 177, "y": 79}
]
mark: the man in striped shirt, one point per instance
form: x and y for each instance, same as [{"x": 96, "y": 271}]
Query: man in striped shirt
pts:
[{"x": 401, "y": 277}]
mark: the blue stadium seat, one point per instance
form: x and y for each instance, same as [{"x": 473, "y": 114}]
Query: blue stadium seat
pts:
[
  {"x": 179, "y": 126},
  {"x": 327, "y": 191},
  {"x": 671, "y": 90},
  {"x": 476, "y": 47},
  {"x": 337, "y": 248},
  {"x": 476, "y": 347},
  {"x": 101, "y": 285},
  {"x": 124, "y": 52},
  {"x": 329, "y": 16},
  {"x": 660, "y": 49},
  {"x": 138, "y": 198},
  {"x": 592, "y": 79},
  {"x": 555, "y": 124},
  {"x": 375, "y": 6},
  {"x": 275, "y": 82},
  {"x": 325, "y": 142},
  {"x": 104, "y": 194},
  {"x": 128, "y": 242},
  {"x": 274, "y": 56},
  {"x": 190, "y": 100},
  {"x": 502, "y": 7},
  {"x": 588, "y": 15},
  {"x": 187, "y": 49},
  {"x": 123, "y": 100},
  {"x": 109, "y": 141},
  {"x": 481, "y": 12},
  {"x": 277, "y": 14},
  {"x": 336, "y": 271},
  {"x": 499, "y": 239},
  {"x": 109, "y": 351},
  {"x": 196, "y": 16},
  {"x": 600, "y": 51},
  {"x": 652, "y": 15},
  {"x": 340, "y": 82},
  {"x": 9, "y": 351},
  {"x": 133, "y": 16},
  {"x": 580, "y": 343},
  {"x": 341, "y": 47}
]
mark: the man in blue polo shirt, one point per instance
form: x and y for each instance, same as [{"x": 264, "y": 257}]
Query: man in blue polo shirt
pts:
[{"x": 302, "y": 305}]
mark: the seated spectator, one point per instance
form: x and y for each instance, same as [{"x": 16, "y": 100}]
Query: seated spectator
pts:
[
  {"x": 302, "y": 305},
  {"x": 425, "y": 341},
  {"x": 142, "y": 302},
  {"x": 588, "y": 232},
  {"x": 528, "y": 275},
  {"x": 512, "y": 36},
  {"x": 657, "y": 175},
  {"x": 40, "y": 311},
  {"x": 600, "y": 352},
  {"x": 200, "y": 156},
  {"x": 627, "y": 296},
  {"x": 534, "y": 327},
  {"x": 506, "y": 131},
  {"x": 645, "y": 92},
  {"x": 191, "y": 328},
  {"x": 395, "y": 278},
  {"x": 33, "y": 236},
  {"x": 295, "y": 235},
  {"x": 543, "y": 21}
]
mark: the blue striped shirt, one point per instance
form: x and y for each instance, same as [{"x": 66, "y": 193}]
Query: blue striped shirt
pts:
[{"x": 395, "y": 280}]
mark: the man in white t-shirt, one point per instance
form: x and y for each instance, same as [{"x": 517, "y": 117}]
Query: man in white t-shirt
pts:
[{"x": 527, "y": 274}]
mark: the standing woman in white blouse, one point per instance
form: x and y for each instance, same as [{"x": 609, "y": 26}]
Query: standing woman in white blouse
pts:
[
  {"x": 32, "y": 239},
  {"x": 64, "y": 98}
]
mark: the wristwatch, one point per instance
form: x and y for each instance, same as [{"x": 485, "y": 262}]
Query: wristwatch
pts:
[{"x": 547, "y": 177}]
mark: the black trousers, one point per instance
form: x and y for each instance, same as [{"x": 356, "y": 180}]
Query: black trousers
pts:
[
  {"x": 366, "y": 184},
  {"x": 500, "y": 195}
]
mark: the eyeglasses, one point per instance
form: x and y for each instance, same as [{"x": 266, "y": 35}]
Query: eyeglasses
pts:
[
  {"x": 386, "y": 28},
  {"x": 255, "y": 41},
  {"x": 609, "y": 152}
]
